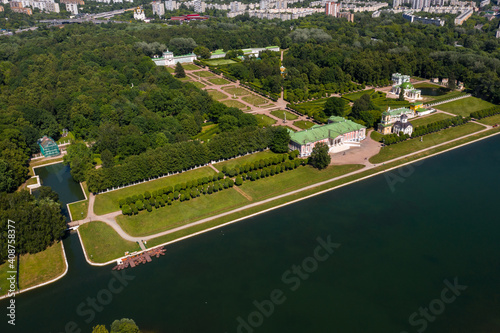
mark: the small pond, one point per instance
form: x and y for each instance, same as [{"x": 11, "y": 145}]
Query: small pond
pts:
[
  {"x": 59, "y": 178},
  {"x": 433, "y": 91}
]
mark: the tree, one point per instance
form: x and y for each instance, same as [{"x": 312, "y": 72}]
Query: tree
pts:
[
  {"x": 335, "y": 106},
  {"x": 280, "y": 139},
  {"x": 320, "y": 158},
  {"x": 107, "y": 159},
  {"x": 179, "y": 71},
  {"x": 202, "y": 52},
  {"x": 79, "y": 159},
  {"x": 99, "y": 329},
  {"x": 124, "y": 325},
  {"x": 401, "y": 94}
]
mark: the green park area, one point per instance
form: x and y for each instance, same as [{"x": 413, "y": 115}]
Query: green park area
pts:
[
  {"x": 357, "y": 95},
  {"x": 421, "y": 121},
  {"x": 219, "y": 62},
  {"x": 218, "y": 81},
  {"x": 235, "y": 104},
  {"x": 207, "y": 132},
  {"x": 190, "y": 67},
  {"x": 198, "y": 85},
  {"x": 181, "y": 213},
  {"x": 250, "y": 158},
  {"x": 312, "y": 107},
  {"x": 79, "y": 210},
  {"x": 170, "y": 69},
  {"x": 103, "y": 243},
  {"x": 264, "y": 121},
  {"x": 428, "y": 85},
  {"x": 35, "y": 268},
  {"x": 303, "y": 124},
  {"x": 108, "y": 202},
  {"x": 203, "y": 74},
  {"x": 217, "y": 95},
  {"x": 232, "y": 90},
  {"x": 491, "y": 120},
  {"x": 254, "y": 100},
  {"x": 414, "y": 145},
  {"x": 442, "y": 98},
  {"x": 282, "y": 113},
  {"x": 463, "y": 107}
]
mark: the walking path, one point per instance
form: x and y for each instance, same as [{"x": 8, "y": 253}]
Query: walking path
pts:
[{"x": 110, "y": 218}]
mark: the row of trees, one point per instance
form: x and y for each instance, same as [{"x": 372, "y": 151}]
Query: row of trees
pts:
[
  {"x": 439, "y": 125},
  {"x": 485, "y": 113},
  {"x": 123, "y": 325}
]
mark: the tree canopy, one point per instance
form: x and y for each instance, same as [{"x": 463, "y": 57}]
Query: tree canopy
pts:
[{"x": 320, "y": 158}]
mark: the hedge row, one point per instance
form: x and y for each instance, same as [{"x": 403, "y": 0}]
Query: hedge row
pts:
[
  {"x": 439, "y": 125},
  {"x": 262, "y": 163},
  {"x": 485, "y": 113}
]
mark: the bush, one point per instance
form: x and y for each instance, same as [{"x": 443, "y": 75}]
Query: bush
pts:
[
  {"x": 139, "y": 204},
  {"x": 238, "y": 181},
  {"x": 122, "y": 202},
  {"x": 126, "y": 210}
]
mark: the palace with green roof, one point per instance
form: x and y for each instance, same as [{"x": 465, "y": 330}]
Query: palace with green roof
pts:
[
  {"x": 402, "y": 82},
  {"x": 339, "y": 134}
]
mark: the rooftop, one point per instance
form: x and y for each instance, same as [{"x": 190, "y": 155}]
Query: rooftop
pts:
[
  {"x": 397, "y": 112},
  {"x": 321, "y": 132}
]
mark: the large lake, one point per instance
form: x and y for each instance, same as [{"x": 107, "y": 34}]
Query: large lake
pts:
[{"x": 407, "y": 240}]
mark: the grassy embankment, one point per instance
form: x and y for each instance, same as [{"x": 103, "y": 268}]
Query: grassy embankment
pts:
[
  {"x": 463, "y": 107},
  {"x": 102, "y": 243},
  {"x": 36, "y": 268},
  {"x": 80, "y": 209},
  {"x": 108, "y": 202}
]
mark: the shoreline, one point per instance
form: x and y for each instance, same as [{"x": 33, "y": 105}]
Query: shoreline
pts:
[{"x": 376, "y": 173}]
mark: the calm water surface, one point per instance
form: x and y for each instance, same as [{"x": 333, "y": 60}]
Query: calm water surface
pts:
[{"x": 399, "y": 243}]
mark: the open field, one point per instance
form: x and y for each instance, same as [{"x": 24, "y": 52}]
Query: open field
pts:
[
  {"x": 198, "y": 85},
  {"x": 180, "y": 213},
  {"x": 217, "y": 95},
  {"x": 303, "y": 124},
  {"x": 108, "y": 202},
  {"x": 420, "y": 121},
  {"x": 293, "y": 179},
  {"x": 357, "y": 95},
  {"x": 41, "y": 267},
  {"x": 190, "y": 67},
  {"x": 413, "y": 145},
  {"x": 203, "y": 74},
  {"x": 245, "y": 159},
  {"x": 254, "y": 100},
  {"x": 207, "y": 132},
  {"x": 218, "y": 81},
  {"x": 236, "y": 91},
  {"x": 264, "y": 121},
  {"x": 219, "y": 62},
  {"x": 280, "y": 201},
  {"x": 234, "y": 104},
  {"x": 102, "y": 243},
  {"x": 281, "y": 114},
  {"x": 491, "y": 120},
  {"x": 463, "y": 107},
  {"x": 79, "y": 210}
]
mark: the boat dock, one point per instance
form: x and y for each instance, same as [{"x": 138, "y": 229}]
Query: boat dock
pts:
[{"x": 142, "y": 258}]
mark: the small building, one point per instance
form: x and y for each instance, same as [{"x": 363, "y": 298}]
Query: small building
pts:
[
  {"x": 48, "y": 147},
  {"x": 139, "y": 14},
  {"x": 403, "y": 125},
  {"x": 339, "y": 134},
  {"x": 403, "y": 82},
  {"x": 168, "y": 59},
  {"x": 390, "y": 117}
]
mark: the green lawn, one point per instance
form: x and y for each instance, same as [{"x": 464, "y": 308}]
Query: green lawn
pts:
[
  {"x": 198, "y": 84},
  {"x": 108, "y": 202},
  {"x": 219, "y": 62},
  {"x": 102, "y": 243},
  {"x": 420, "y": 121},
  {"x": 203, "y": 74},
  {"x": 293, "y": 179},
  {"x": 232, "y": 90},
  {"x": 281, "y": 114},
  {"x": 264, "y": 121},
  {"x": 41, "y": 267},
  {"x": 254, "y": 100},
  {"x": 303, "y": 124},
  {"x": 463, "y": 107},
  {"x": 31, "y": 181},
  {"x": 79, "y": 210},
  {"x": 190, "y": 67},
  {"x": 357, "y": 95},
  {"x": 262, "y": 155},
  {"x": 218, "y": 81},
  {"x": 170, "y": 69},
  {"x": 451, "y": 94},
  {"x": 413, "y": 145},
  {"x": 217, "y": 95},
  {"x": 180, "y": 213},
  {"x": 428, "y": 85},
  {"x": 491, "y": 120},
  {"x": 376, "y": 136},
  {"x": 234, "y": 104},
  {"x": 310, "y": 108},
  {"x": 207, "y": 132}
]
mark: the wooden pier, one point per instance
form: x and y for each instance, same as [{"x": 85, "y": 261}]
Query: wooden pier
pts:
[{"x": 141, "y": 258}]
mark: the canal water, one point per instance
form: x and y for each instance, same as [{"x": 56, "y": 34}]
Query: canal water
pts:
[
  {"x": 414, "y": 250},
  {"x": 58, "y": 177},
  {"x": 433, "y": 91}
]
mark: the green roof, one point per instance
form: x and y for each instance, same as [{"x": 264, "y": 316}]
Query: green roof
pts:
[
  {"x": 397, "y": 112},
  {"x": 321, "y": 132},
  {"x": 406, "y": 85}
]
